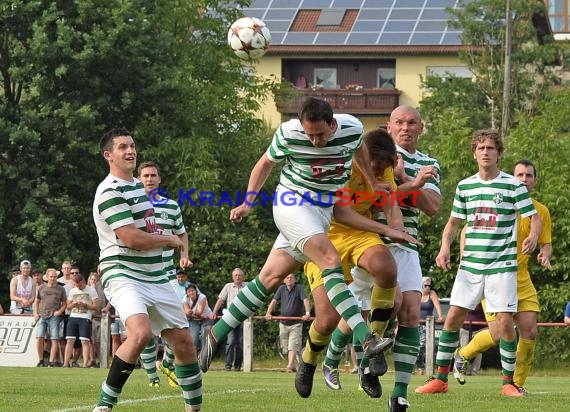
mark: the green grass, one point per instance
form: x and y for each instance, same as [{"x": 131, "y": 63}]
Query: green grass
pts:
[{"x": 55, "y": 389}]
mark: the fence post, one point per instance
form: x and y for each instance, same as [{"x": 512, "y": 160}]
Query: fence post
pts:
[
  {"x": 104, "y": 342},
  {"x": 248, "y": 345},
  {"x": 430, "y": 345}
]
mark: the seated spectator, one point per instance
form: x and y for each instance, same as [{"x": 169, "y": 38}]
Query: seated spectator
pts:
[
  {"x": 198, "y": 313},
  {"x": 23, "y": 290},
  {"x": 82, "y": 301},
  {"x": 49, "y": 309},
  {"x": 567, "y": 314}
]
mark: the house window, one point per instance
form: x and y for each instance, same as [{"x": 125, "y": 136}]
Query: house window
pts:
[
  {"x": 325, "y": 78},
  {"x": 447, "y": 71},
  {"x": 558, "y": 13},
  {"x": 386, "y": 78}
]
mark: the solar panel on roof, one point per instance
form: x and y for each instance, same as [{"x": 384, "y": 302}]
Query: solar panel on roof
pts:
[
  {"x": 285, "y": 4},
  {"x": 280, "y": 14},
  {"x": 404, "y": 14},
  {"x": 408, "y": 3},
  {"x": 299, "y": 38},
  {"x": 331, "y": 38},
  {"x": 316, "y": 4},
  {"x": 278, "y": 25},
  {"x": 259, "y": 13},
  {"x": 361, "y": 38},
  {"x": 433, "y": 25},
  {"x": 370, "y": 25},
  {"x": 400, "y": 25},
  {"x": 435, "y": 14},
  {"x": 347, "y": 4},
  {"x": 394, "y": 38},
  {"x": 261, "y": 4},
  {"x": 425, "y": 38},
  {"x": 373, "y": 14}
]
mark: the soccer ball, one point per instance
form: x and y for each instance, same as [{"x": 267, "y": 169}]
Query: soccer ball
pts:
[{"x": 249, "y": 38}]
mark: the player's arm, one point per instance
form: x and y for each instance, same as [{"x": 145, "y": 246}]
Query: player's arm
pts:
[
  {"x": 544, "y": 255},
  {"x": 529, "y": 244},
  {"x": 393, "y": 215},
  {"x": 140, "y": 240},
  {"x": 307, "y": 305},
  {"x": 257, "y": 179},
  {"x": 427, "y": 200},
  {"x": 184, "y": 262},
  {"x": 443, "y": 259},
  {"x": 462, "y": 241},
  {"x": 346, "y": 216}
]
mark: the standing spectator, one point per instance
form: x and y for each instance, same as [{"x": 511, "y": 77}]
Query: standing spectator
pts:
[
  {"x": 37, "y": 277},
  {"x": 182, "y": 283},
  {"x": 15, "y": 272},
  {"x": 133, "y": 277},
  {"x": 49, "y": 309},
  {"x": 23, "y": 290},
  {"x": 234, "y": 344},
  {"x": 81, "y": 301},
  {"x": 567, "y": 314},
  {"x": 293, "y": 302},
  {"x": 429, "y": 302},
  {"x": 94, "y": 281},
  {"x": 488, "y": 201},
  {"x": 198, "y": 313},
  {"x": 65, "y": 278}
]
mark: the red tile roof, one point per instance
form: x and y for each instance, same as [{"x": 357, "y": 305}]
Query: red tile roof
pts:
[{"x": 306, "y": 21}]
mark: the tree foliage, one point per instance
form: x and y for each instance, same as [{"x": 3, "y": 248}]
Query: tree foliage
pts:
[{"x": 71, "y": 70}]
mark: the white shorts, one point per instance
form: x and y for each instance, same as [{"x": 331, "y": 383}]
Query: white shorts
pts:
[
  {"x": 361, "y": 287},
  {"x": 409, "y": 269},
  {"x": 500, "y": 291},
  {"x": 158, "y": 301},
  {"x": 298, "y": 223}
]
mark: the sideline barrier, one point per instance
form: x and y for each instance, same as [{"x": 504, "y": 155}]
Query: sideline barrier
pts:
[{"x": 18, "y": 340}]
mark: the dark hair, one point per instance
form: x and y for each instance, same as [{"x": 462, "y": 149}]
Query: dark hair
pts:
[
  {"x": 192, "y": 286},
  {"x": 526, "y": 163},
  {"x": 181, "y": 272},
  {"x": 314, "y": 110},
  {"x": 150, "y": 163},
  {"x": 106, "y": 142},
  {"x": 37, "y": 272},
  {"x": 381, "y": 146}
]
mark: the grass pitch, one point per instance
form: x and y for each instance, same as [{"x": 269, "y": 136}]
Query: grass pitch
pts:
[{"x": 69, "y": 390}]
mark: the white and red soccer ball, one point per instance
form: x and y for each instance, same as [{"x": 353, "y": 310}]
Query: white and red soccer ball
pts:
[{"x": 249, "y": 38}]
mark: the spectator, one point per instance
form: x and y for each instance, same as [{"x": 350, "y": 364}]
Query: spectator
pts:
[
  {"x": 15, "y": 272},
  {"x": 95, "y": 282},
  {"x": 198, "y": 313},
  {"x": 49, "y": 309},
  {"x": 294, "y": 303},
  {"x": 183, "y": 283},
  {"x": 235, "y": 337},
  {"x": 467, "y": 332},
  {"x": 567, "y": 314},
  {"x": 65, "y": 278},
  {"x": 429, "y": 302},
  {"x": 82, "y": 301},
  {"x": 37, "y": 276},
  {"x": 23, "y": 290}
]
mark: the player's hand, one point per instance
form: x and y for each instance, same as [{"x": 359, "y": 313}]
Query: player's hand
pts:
[
  {"x": 443, "y": 260},
  {"x": 400, "y": 235},
  {"x": 424, "y": 174},
  {"x": 529, "y": 244},
  {"x": 238, "y": 213},
  {"x": 185, "y": 263},
  {"x": 544, "y": 260},
  {"x": 399, "y": 170},
  {"x": 382, "y": 187}
]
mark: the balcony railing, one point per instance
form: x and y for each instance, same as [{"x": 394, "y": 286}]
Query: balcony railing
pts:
[{"x": 358, "y": 102}]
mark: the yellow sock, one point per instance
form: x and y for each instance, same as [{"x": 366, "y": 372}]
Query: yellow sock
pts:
[
  {"x": 381, "y": 303},
  {"x": 480, "y": 343},
  {"x": 316, "y": 343},
  {"x": 525, "y": 358}
]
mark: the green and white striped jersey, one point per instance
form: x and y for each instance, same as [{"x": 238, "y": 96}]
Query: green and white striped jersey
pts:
[
  {"x": 169, "y": 218},
  {"x": 490, "y": 208},
  {"x": 316, "y": 172},
  {"x": 119, "y": 203},
  {"x": 413, "y": 162}
]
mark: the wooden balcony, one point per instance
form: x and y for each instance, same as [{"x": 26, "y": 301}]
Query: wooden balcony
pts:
[{"x": 369, "y": 102}]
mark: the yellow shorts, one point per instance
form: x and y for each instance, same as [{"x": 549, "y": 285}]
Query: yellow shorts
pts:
[
  {"x": 350, "y": 245},
  {"x": 527, "y": 299}
]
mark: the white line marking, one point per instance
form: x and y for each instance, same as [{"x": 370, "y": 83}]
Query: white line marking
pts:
[{"x": 159, "y": 398}]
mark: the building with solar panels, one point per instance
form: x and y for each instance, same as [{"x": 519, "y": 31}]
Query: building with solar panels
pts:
[{"x": 365, "y": 57}]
